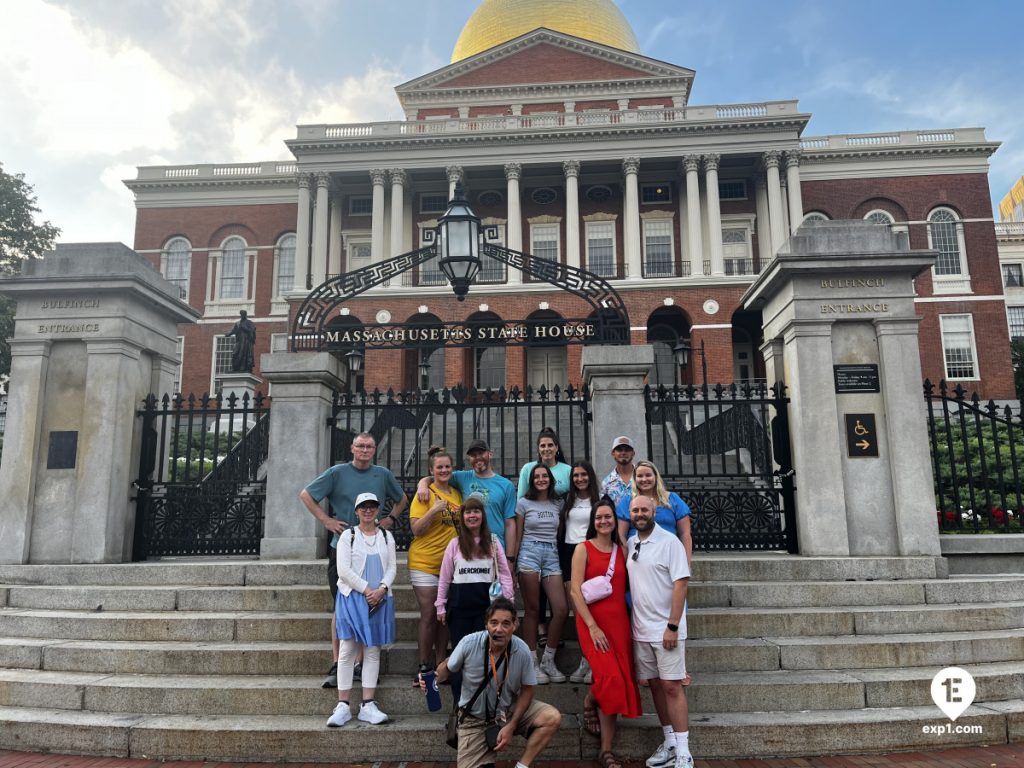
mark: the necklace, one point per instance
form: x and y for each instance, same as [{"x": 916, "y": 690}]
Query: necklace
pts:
[{"x": 369, "y": 541}]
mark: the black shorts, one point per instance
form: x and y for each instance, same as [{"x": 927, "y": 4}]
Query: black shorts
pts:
[
  {"x": 565, "y": 553},
  {"x": 332, "y": 571}
]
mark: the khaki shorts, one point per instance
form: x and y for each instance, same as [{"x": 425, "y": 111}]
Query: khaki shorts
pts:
[
  {"x": 473, "y": 751},
  {"x": 654, "y": 660}
]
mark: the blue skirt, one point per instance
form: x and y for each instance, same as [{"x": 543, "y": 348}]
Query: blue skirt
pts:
[{"x": 352, "y": 612}]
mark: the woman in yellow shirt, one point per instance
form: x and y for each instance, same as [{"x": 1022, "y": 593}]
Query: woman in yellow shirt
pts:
[{"x": 434, "y": 523}]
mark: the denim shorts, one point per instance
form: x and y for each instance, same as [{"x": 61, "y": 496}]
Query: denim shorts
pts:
[{"x": 539, "y": 557}]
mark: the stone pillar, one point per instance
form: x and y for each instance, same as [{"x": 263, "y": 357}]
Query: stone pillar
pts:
[
  {"x": 714, "y": 215},
  {"x": 763, "y": 222},
  {"x": 454, "y": 174},
  {"x": 691, "y": 164},
  {"x": 95, "y": 333},
  {"x": 303, "y": 386},
  {"x": 398, "y": 179},
  {"x": 318, "y": 272},
  {"x": 302, "y": 283},
  {"x": 631, "y": 219},
  {"x": 514, "y": 233},
  {"x": 615, "y": 375},
  {"x": 572, "y": 212},
  {"x": 842, "y": 294},
  {"x": 377, "y": 177},
  {"x": 796, "y": 200},
  {"x": 334, "y": 246},
  {"x": 778, "y": 229}
]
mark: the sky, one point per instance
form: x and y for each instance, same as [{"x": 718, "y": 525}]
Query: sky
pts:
[{"x": 90, "y": 89}]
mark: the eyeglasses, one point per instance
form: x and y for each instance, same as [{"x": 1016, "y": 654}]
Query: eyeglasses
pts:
[
  {"x": 636, "y": 551},
  {"x": 369, "y": 447}
]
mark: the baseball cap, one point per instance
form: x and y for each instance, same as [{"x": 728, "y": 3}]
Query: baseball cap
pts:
[
  {"x": 477, "y": 445},
  {"x": 364, "y": 498},
  {"x": 622, "y": 440}
]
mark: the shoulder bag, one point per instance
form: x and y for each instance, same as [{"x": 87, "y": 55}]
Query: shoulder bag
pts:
[
  {"x": 494, "y": 591},
  {"x": 600, "y": 587}
]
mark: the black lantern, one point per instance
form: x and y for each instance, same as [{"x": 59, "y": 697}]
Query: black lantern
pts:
[
  {"x": 682, "y": 352},
  {"x": 354, "y": 358},
  {"x": 458, "y": 244}
]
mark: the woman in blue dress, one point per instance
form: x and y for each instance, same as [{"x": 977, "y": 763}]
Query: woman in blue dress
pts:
[{"x": 364, "y": 611}]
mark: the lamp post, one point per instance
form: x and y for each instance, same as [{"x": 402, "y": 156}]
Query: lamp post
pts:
[
  {"x": 354, "y": 359},
  {"x": 682, "y": 352},
  {"x": 424, "y": 369},
  {"x": 458, "y": 244}
]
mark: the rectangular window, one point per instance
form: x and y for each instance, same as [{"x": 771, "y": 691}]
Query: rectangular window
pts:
[
  {"x": 286, "y": 266},
  {"x": 433, "y": 202},
  {"x": 736, "y": 251},
  {"x": 176, "y": 386},
  {"x": 601, "y": 248},
  {"x": 176, "y": 269},
  {"x": 359, "y": 254},
  {"x": 492, "y": 270},
  {"x": 232, "y": 273},
  {"x": 223, "y": 348},
  {"x": 655, "y": 193},
  {"x": 659, "y": 260},
  {"x": 1016, "y": 318},
  {"x": 430, "y": 273},
  {"x": 544, "y": 241},
  {"x": 360, "y": 206},
  {"x": 958, "y": 346},
  {"x": 732, "y": 189},
  {"x": 1013, "y": 277}
]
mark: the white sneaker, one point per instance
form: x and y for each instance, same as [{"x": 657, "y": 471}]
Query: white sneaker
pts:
[
  {"x": 342, "y": 714},
  {"x": 582, "y": 673},
  {"x": 547, "y": 666},
  {"x": 369, "y": 713},
  {"x": 542, "y": 677},
  {"x": 684, "y": 761},
  {"x": 663, "y": 757}
]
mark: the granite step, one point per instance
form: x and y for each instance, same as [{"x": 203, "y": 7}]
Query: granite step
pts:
[{"x": 420, "y": 737}]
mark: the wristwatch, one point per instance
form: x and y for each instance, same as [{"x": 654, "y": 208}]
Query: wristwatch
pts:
[{"x": 673, "y": 627}]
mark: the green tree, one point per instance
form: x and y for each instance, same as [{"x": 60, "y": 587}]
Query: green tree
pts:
[
  {"x": 1017, "y": 358},
  {"x": 21, "y": 238}
]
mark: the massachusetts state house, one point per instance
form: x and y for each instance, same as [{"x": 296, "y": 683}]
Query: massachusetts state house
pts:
[{"x": 576, "y": 147}]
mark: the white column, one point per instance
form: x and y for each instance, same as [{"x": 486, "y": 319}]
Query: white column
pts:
[
  {"x": 764, "y": 226},
  {"x": 454, "y": 173},
  {"x": 514, "y": 233},
  {"x": 301, "y": 235},
  {"x": 377, "y": 177},
  {"x": 631, "y": 219},
  {"x": 318, "y": 270},
  {"x": 714, "y": 215},
  {"x": 334, "y": 235},
  {"x": 796, "y": 200},
  {"x": 572, "y": 212},
  {"x": 771, "y": 167},
  {"x": 691, "y": 164},
  {"x": 785, "y": 208},
  {"x": 398, "y": 180}
]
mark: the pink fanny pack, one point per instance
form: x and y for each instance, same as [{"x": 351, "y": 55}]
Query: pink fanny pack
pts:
[{"x": 600, "y": 587}]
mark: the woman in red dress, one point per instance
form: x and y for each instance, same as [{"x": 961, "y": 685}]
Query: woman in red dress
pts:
[{"x": 603, "y": 629}]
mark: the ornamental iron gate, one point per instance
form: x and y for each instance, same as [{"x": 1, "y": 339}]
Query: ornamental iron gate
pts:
[
  {"x": 201, "y": 487},
  {"x": 406, "y": 424},
  {"x": 978, "y": 457},
  {"x": 725, "y": 450}
]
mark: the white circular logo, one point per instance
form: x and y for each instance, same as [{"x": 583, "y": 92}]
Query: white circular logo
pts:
[
  {"x": 711, "y": 307},
  {"x": 383, "y": 316}
]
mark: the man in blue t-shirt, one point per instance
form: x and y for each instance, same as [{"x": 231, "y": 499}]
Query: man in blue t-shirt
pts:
[
  {"x": 340, "y": 485},
  {"x": 498, "y": 493}
]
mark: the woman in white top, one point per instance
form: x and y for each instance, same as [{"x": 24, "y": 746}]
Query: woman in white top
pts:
[
  {"x": 585, "y": 490},
  {"x": 364, "y": 612}
]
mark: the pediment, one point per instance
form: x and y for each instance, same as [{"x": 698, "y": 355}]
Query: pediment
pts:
[{"x": 543, "y": 57}]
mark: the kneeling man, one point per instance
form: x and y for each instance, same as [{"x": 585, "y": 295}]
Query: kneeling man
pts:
[{"x": 500, "y": 666}]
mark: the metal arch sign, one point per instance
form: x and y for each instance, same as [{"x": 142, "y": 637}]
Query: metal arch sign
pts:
[{"x": 607, "y": 322}]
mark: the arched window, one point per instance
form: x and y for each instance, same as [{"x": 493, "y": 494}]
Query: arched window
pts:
[
  {"x": 878, "y": 216},
  {"x": 945, "y": 235},
  {"x": 176, "y": 264},
  {"x": 285, "y": 265},
  {"x": 815, "y": 216},
  {"x": 232, "y": 269}
]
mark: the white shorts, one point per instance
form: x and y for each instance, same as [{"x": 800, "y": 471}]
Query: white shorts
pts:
[
  {"x": 654, "y": 660},
  {"x": 422, "y": 578}
]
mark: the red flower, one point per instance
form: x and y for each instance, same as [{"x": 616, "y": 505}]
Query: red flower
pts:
[
  {"x": 950, "y": 515},
  {"x": 998, "y": 515}
]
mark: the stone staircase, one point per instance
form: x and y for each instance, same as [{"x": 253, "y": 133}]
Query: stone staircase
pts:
[{"x": 223, "y": 661}]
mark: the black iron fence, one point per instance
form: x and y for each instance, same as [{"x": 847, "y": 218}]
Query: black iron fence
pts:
[
  {"x": 977, "y": 449},
  {"x": 406, "y": 424},
  {"x": 200, "y": 487},
  {"x": 725, "y": 450}
]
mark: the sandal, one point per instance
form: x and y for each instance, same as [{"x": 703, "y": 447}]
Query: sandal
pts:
[
  {"x": 608, "y": 760},
  {"x": 591, "y": 720}
]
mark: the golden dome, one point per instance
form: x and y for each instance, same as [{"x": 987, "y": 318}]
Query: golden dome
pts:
[{"x": 498, "y": 21}]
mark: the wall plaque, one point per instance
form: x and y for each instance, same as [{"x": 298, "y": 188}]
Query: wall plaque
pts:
[
  {"x": 62, "y": 451},
  {"x": 856, "y": 378},
  {"x": 861, "y": 438}
]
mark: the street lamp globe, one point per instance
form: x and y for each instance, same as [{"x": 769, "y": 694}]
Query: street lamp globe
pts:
[{"x": 458, "y": 244}]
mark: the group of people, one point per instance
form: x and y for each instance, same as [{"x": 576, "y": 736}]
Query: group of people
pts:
[{"x": 617, "y": 550}]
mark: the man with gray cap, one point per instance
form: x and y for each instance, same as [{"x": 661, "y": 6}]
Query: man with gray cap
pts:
[
  {"x": 617, "y": 483},
  {"x": 497, "y": 492}
]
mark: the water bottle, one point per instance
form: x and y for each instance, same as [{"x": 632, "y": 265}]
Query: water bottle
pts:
[{"x": 433, "y": 694}]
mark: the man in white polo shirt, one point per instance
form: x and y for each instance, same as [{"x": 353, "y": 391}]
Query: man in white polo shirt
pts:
[{"x": 658, "y": 577}]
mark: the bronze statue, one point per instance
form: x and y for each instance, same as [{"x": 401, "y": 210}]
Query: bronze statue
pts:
[{"x": 244, "y": 333}]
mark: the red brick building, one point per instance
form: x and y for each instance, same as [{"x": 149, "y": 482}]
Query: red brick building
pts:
[{"x": 578, "y": 148}]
